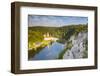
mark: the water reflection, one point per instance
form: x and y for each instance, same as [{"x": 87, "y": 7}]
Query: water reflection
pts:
[{"x": 49, "y": 52}]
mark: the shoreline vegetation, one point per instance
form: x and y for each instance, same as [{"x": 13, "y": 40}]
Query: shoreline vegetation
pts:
[
  {"x": 39, "y": 37},
  {"x": 32, "y": 52}
]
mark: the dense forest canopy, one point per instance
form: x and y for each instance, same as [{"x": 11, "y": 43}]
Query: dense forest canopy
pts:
[{"x": 36, "y": 33}]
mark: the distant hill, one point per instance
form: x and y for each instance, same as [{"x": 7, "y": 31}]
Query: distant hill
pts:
[{"x": 35, "y": 34}]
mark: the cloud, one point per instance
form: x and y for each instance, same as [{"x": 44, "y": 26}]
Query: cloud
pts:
[{"x": 40, "y": 20}]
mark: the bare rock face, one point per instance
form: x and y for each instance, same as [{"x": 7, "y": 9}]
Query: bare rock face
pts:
[{"x": 79, "y": 47}]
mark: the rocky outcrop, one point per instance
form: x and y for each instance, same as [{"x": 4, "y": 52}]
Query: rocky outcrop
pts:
[{"x": 79, "y": 47}]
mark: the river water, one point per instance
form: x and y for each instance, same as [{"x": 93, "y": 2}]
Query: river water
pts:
[{"x": 50, "y": 52}]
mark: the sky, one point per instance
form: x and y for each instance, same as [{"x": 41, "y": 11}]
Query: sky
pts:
[{"x": 55, "y": 21}]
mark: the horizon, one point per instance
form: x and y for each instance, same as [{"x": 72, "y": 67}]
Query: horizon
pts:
[
  {"x": 60, "y": 26},
  {"x": 55, "y": 21}
]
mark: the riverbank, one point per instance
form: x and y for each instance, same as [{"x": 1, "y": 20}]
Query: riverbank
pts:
[
  {"x": 37, "y": 48},
  {"x": 76, "y": 47},
  {"x": 49, "y": 52}
]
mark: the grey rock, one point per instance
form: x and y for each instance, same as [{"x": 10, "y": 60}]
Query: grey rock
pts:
[{"x": 78, "y": 48}]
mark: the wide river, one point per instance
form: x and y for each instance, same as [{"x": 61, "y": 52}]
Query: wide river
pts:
[{"x": 49, "y": 52}]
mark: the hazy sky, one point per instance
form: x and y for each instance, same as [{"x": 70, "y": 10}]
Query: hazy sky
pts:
[{"x": 56, "y": 21}]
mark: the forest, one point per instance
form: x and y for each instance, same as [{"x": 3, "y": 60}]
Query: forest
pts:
[{"x": 37, "y": 34}]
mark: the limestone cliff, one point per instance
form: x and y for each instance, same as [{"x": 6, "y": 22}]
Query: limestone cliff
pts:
[{"x": 78, "y": 46}]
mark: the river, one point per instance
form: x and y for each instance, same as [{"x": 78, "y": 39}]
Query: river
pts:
[{"x": 50, "y": 52}]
